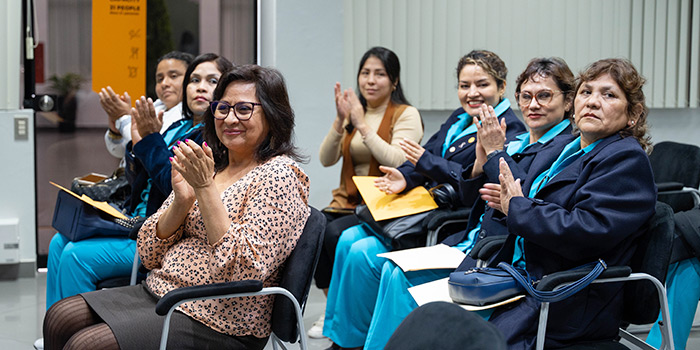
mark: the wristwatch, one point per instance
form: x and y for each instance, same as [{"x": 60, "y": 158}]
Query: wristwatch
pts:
[{"x": 493, "y": 154}]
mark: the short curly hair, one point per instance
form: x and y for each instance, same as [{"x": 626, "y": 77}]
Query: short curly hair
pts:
[
  {"x": 558, "y": 70},
  {"x": 630, "y": 81},
  {"x": 489, "y": 62}
]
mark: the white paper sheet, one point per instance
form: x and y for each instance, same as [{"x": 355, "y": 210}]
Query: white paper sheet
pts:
[{"x": 426, "y": 258}]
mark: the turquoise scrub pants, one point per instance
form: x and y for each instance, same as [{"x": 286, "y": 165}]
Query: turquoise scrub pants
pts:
[
  {"x": 353, "y": 288},
  {"x": 683, "y": 289},
  {"x": 76, "y": 267},
  {"x": 368, "y": 296}
]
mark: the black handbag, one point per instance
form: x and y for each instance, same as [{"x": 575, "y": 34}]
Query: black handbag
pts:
[
  {"x": 114, "y": 189},
  {"x": 488, "y": 285},
  {"x": 407, "y": 231},
  {"x": 78, "y": 220}
]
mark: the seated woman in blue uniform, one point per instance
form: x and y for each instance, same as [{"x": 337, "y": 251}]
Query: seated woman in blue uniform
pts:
[
  {"x": 544, "y": 92},
  {"x": 590, "y": 204},
  {"x": 77, "y": 267},
  {"x": 481, "y": 81}
]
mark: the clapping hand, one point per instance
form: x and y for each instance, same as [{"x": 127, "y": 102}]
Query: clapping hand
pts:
[
  {"x": 491, "y": 193},
  {"x": 114, "y": 105},
  {"x": 492, "y": 133},
  {"x": 143, "y": 115},
  {"x": 510, "y": 187},
  {"x": 392, "y": 182},
  {"x": 412, "y": 149},
  {"x": 194, "y": 163}
]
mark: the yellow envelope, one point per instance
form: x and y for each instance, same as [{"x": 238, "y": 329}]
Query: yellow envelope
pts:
[
  {"x": 104, "y": 206},
  {"x": 384, "y": 206}
]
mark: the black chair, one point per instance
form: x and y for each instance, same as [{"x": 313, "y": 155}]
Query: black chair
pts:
[
  {"x": 444, "y": 220},
  {"x": 642, "y": 300},
  {"x": 287, "y": 322},
  {"x": 676, "y": 169}
]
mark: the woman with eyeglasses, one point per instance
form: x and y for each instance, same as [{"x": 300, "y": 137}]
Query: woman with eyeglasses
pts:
[
  {"x": 590, "y": 203},
  {"x": 237, "y": 209},
  {"x": 481, "y": 77},
  {"x": 544, "y": 93},
  {"x": 77, "y": 267}
]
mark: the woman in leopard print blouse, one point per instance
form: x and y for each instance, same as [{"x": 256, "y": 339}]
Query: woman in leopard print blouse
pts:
[{"x": 238, "y": 207}]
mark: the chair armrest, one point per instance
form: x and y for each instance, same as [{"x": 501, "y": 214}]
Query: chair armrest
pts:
[
  {"x": 177, "y": 295},
  {"x": 669, "y": 186},
  {"x": 439, "y": 216},
  {"x": 487, "y": 247},
  {"x": 553, "y": 280}
]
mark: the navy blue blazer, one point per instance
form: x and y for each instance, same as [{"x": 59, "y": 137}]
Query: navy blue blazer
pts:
[
  {"x": 432, "y": 169},
  {"x": 594, "y": 208},
  {"x": 149, "y": 159},
  {"x": 494, "y": 223}
]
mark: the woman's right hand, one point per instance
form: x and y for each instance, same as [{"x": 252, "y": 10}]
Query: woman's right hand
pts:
[
  {"x": 392, "y": 182},
  {"x": 342, "y": 107},
  {"x": 480, "y": 160}
]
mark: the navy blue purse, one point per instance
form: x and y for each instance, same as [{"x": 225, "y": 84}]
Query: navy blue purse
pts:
[
  {"x": 78, "y": 220},
  {"x": 482, "y": 286}
]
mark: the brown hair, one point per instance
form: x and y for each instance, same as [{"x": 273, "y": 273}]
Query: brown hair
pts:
[
  {"x": 630, "y": 82},
  {"x": 489, "y": 62},
  {"x": 558, "y": 70}
]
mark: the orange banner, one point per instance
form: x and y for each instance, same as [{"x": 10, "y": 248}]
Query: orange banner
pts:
[{"x": 119, "y": 46}]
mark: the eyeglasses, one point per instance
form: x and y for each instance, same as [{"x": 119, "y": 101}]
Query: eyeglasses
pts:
[
  {"x": 242, "y": 110},
  {"x": 543, "y": 97}
]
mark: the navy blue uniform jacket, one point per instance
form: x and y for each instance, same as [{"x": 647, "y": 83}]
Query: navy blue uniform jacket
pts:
[
  {"x": 494, "y": 223},
  {"x": 594, "y": 208},
  {"x": 432, "y": 169},
  {"x": 150, "y": 160}
]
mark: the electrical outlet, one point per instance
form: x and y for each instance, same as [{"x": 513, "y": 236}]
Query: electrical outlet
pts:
[{"x": 21, "y": 129}]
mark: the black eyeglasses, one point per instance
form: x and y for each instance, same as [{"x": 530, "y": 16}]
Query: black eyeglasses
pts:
[
  {"x": 543, "y": 97},
  {"x": 242, "y": 110}
]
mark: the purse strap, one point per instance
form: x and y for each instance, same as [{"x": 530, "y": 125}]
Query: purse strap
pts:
[{"x": 561, "y": 293}]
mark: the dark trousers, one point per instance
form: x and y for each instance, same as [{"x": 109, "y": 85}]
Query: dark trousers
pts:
[{"x": 335, "y": 225}]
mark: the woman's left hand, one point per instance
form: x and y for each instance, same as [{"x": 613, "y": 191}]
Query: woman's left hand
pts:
[
  {"x": 492, "y": 133},
  {"x": 357, "y": 112},
  {"x": 144, "y": 114},
  {"x": 412, "y": 149},
  {"x": 510, "y": 187},
  {"x": 194, "y": 163},
  {"x": 491, "y": 193}
]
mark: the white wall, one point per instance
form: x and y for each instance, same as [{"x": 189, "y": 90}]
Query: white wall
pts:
[
  {"x": 308, "y": 49},
  {"x": 303, "y": 39}
]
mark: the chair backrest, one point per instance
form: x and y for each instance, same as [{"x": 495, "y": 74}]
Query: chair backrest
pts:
[
  {"x": 297, "y": 275},
  {"x": 676, "y": 162},
  {"x": 653, "y": 254}
]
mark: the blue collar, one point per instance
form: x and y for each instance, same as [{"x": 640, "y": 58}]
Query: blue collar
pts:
[
  {"x": 571, "y": 153},
  {"x": 520, "y": 144}
]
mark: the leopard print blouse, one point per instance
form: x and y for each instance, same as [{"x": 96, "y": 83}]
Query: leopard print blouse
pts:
[{"x": 268, "y": 208}]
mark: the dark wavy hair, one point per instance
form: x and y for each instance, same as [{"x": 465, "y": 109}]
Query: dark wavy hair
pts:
[
  {"x": 630, "y": 81},
  {"x": 177, "y": 55},
  {"x": 489, "y": 62},
  {"x": 392, "y": 68},
  {"x": 558, "y": 70},
  {"x": 222, "y": 64},
  {"x": 271, "y": 91}
]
